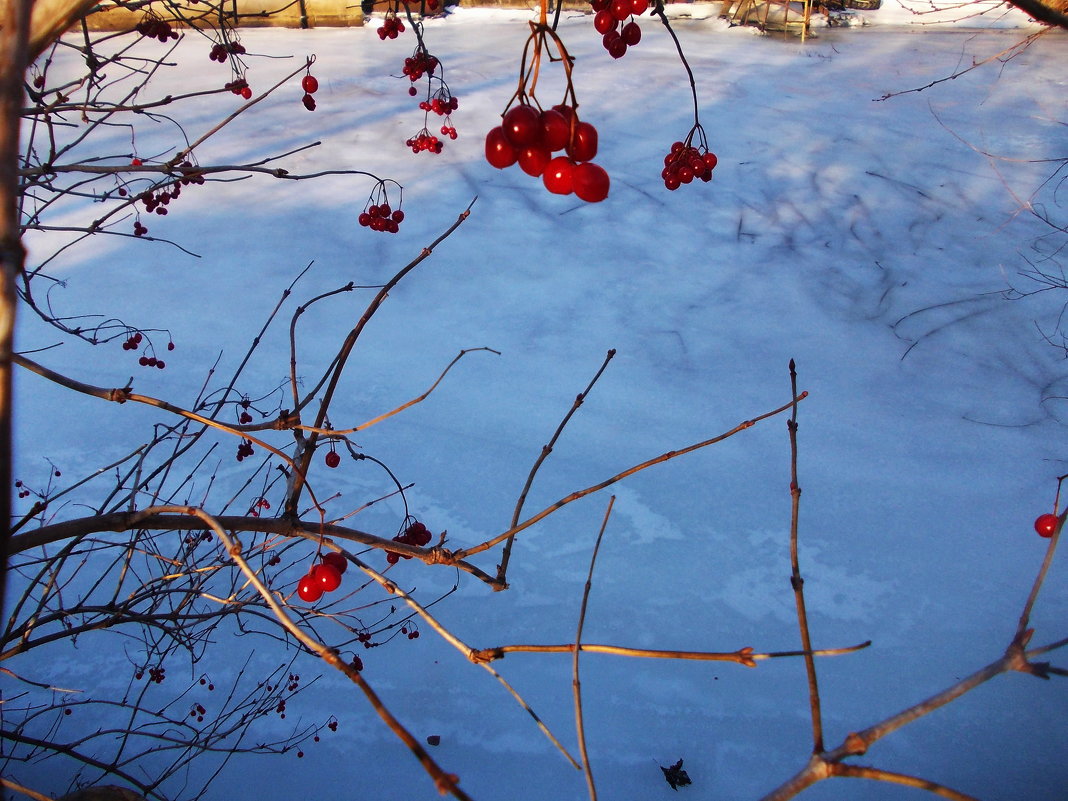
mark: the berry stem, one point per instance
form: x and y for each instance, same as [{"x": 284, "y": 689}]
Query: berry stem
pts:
[{"x": 658, "y": 10}]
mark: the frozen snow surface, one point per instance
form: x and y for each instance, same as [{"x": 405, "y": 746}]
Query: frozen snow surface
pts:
[{"x": 872, "y": 240}]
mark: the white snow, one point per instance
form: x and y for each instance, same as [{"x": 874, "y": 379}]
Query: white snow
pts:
[{"x": 871, "y": 240}]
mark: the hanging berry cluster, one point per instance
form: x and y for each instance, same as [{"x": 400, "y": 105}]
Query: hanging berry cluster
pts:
[
  {"x": 686, "y": 162},
  {"x": 391, "y": 26},
  {"x": 323, "y": 577},
  {"x": 239, "y": 86},
  {"x": 228, "y": 49},
  {"x": 147, "y": 358},
  {"x": 310, "y": 84},
  {"x": 221, "y": 51},
  {"x": 152, "y": 27},
  {"x": 614, "y": 20},
  {"x": 530, "y": 135},
  {"x": 379, "y": 215},
  {"x": 415, "y": 534},
  {"x": 438, "y": 98},
  {"x": 158, "y": 199}
]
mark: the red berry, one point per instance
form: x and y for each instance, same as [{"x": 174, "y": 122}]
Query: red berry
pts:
[
  {"x": 499, "y": 151},
  {"x": 567, "y": 111},
  {"x": 521, "y": 125},
  {"x": 309, "y": 102},
  {"x": 590, "y": 182},
  {"x": 333, "y": 459},
  {"x": 617, "y": 49},
  {"x": 621, "y": 9},
  {"x": 555, "y": 130},
  {"x": 397, "y": 216},
  {"x": 246, "y": 92},
  {"x": 638, "y": 7},
  {"x": 309, "y": 589},
  {"x": 327, "y": 575},
  {"x": 603, "y": 22},
  {"x": 336, "y": 561},
  {"x": 532, "y": 160},
  {"x": 136, "y": 162},
  {"x": 558, "y": 175},
  {"x": 631, "y": 33},
  {"x": 583, "y": 145},
  {"x": 309, "y": 84},
  {"x": 1046, "y": 524}
]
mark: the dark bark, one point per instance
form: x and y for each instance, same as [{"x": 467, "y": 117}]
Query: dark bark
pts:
[
  {"x": 1048, "y": 12},
  {"x": 14, "y": 31}
]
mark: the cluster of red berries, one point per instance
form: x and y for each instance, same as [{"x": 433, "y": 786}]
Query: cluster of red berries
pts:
[
  {"x": 441, "y": 104},
  {"x": 684, "y": 163},
  {"x": 410, "y": 632},
  {"x": 530, "y": 137},
  {"x": 156, "y": 28},
  {"x": 310, "y": 86},
  {"x": 609, "y": 19},
  {"x": 416, "y": 534},
  {"x": 197, "y": 711},
  {"x": 221, "y": 51},
  {"x": 1046, "y": 524},
  {"x": 245, "y": 417},
  {"x": 23, "y": 492},
  {"x": 419, "y": 64},
  {"x": 391, "y": 26},
  {"x": 382, "y": 217},
  {"x": 156, "y": 674},
  {"x": 204, "y": 681},
  {"x": 425, "y": 141},
  {"x": 133, "y": 342},
  {"x": 240, "y": 86},
  {"x": 261, "y": 503},
  {"x": 323, "y": 577},
  {"x": 244, "y": 449},
  {"x": 157, "y": 200}
]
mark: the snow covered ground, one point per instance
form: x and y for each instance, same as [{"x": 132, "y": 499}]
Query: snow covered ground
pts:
[{"x": 870, "y": 240}]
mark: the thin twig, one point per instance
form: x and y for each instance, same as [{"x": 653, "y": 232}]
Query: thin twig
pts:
[
  {"x": 333, "y": 374},
  {"x": 580, "y": 728},
  {"x": 463, "y": 553},
  {"x": 865, "y": 772},
  {"x": 506, "y": 552},
  {"x": 796, "y": 581},
  {"x": 743, "y": 656}
]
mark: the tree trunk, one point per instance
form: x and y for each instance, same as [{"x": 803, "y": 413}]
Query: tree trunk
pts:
[{"x": 14, "y": 31}]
